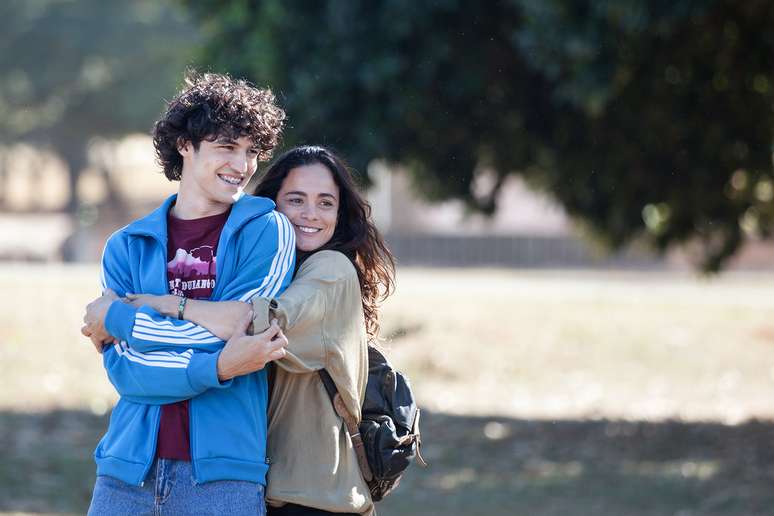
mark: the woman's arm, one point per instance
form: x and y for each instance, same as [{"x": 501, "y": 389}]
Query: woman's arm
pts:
[
  {"x": 219, "y": 317},
  {"x": 319, "y": 312}
]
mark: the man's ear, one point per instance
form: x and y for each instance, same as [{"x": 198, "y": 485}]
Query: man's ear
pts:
[{"x": 184, "y": 147}]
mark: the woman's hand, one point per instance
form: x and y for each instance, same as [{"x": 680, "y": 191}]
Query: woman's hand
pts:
[
  {"x": 94, "y": 320},
  {"x": 246, "y": 354},
  {"x": 165, "y": 305}
]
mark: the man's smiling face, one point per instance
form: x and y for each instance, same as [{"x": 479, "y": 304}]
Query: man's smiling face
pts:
[
  {"x": 218, "y": 170},
  {"x": 309, "y": 198}
]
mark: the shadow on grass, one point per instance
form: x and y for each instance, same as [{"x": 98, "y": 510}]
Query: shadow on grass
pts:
[
  {"x": 45, "y": 460},
  {"x": 478, "y": 466},
  {"x": 486, "y": 466}
]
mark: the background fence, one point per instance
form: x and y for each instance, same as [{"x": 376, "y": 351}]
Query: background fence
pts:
[{"x": 511, "y": 251}]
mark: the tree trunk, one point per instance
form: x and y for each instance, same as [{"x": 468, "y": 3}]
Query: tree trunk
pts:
[
  {"x": 74, "y": 155},
  {"x": 4, "y": 178}
]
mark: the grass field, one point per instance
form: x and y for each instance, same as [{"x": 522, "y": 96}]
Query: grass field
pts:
[{"x": 549, "y": 393}]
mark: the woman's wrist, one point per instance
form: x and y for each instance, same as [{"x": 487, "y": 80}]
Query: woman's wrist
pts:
[{"x": 170, "y": 305}]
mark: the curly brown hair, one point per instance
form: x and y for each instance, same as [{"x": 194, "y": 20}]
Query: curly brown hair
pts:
[
  {"x": 211, "y": 106},
  {"x": 355, "y": 235}
]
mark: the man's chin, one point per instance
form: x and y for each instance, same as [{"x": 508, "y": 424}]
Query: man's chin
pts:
[{"x": 238, "y": 194}]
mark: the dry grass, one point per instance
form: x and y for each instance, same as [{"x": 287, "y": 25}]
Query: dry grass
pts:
[
  {"x": 549, "y": 392},
  {"x": 558, "y": 344}
]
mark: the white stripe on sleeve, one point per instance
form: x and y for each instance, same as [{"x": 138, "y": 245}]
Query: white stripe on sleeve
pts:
[
  {"x": 278, "y": 267},
  {"x": 180, "y": 361},
  {"x": 181, "y": 341},
  {"x": 282, "y": 250},
  {"x": 193, "y": 335},
  {"x": 164, "y": 324},
  {"x": 290, "y": 243},
  {"x": 146, "y": 328}
]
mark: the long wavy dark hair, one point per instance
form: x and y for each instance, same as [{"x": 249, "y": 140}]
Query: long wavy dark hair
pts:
[{"x": 355, "y": 235}]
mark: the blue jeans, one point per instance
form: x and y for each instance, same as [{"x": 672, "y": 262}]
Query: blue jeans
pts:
[{"x": 170, "y": 489}]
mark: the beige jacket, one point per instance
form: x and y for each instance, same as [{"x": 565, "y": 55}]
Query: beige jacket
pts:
[{"x": 312, "y": 459}]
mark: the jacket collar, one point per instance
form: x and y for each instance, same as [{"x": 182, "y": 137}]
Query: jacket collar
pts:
[{"x": 244, "y": 209}]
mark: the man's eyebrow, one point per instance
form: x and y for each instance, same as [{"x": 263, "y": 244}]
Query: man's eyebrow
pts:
[{"x": 225, "y": 139}]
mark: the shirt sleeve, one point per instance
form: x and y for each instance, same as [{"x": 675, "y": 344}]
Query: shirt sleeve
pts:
[
  {"x": 314, "y": 311},
  {"x": 321, "y": 314},
  {"x": 160, "y": 377},
  {"x": 300, "y": 312}
]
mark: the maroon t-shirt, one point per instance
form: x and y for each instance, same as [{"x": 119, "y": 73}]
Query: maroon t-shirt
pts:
[{"x": 191, "y": 249}]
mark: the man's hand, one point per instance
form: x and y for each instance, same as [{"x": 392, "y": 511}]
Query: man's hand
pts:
[
  {"x": 244, "y": 354},
  {"x": 94, "y": 320}
]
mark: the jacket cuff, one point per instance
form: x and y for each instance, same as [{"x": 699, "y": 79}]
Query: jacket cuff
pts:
[
  {"x": 202, "y": 372},
  {"x": 119, "y": 320},
  {"x": 260, "y": 314}
]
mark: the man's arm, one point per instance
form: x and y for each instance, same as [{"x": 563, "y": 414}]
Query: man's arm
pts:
[
  {"x": 160, "y": 377},
  {"x": 149, "y": 377},
  {"x": 265, "y": 265},
  {"x": 156, "y": 377},
  {"x": 263, "y": 268}
]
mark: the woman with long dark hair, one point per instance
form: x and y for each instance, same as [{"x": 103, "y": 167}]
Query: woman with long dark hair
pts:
[{"x": 329, "y": 314}]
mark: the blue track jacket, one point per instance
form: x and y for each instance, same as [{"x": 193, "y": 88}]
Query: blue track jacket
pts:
[{"x": 162, "y": 360}]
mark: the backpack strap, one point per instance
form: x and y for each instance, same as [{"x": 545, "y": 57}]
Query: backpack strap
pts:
[
  {"x": 418, "y": 440},
  {"x": 328, "y": 383},
  {"x": 350, "y": 422},
  {"x": 271, "y": 375}
]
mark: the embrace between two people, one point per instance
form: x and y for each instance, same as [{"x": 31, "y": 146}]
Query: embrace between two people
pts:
[{"x": 205, "y": 291}]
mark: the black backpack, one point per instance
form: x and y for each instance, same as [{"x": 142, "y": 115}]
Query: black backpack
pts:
[{"x": 387, "y": 438}]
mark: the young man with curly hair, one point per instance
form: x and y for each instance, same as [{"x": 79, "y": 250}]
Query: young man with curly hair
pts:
[{"x": 188, "y": 434}]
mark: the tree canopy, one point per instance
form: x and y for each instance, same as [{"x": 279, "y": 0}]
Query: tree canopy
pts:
[
  {"x": 644, "y": 119},
  {"x": 76, "y": 70}
]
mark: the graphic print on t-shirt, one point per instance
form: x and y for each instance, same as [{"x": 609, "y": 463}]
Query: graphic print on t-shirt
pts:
[{"x": 193, "y": 271}]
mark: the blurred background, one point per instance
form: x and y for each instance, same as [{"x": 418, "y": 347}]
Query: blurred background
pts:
[{"x": 579, "y": 194}]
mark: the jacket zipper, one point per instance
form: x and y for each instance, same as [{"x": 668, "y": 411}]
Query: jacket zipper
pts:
[
  {"x": 153, "y": 448},
  {"x": 158, "y": 412},
  {"x": 192, "y": 440}
]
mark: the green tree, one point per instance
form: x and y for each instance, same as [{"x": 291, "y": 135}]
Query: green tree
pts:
[
  {"x": 73, "y": 70},
  {"x": 645, "y": 119}
]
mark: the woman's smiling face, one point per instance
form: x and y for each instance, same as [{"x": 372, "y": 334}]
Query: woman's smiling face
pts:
[{"x": 309, "y": 197}]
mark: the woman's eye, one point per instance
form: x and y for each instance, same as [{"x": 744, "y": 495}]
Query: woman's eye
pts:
[
  {"x": 327, "y": 204},
  {"x": 294, "y": 201}
]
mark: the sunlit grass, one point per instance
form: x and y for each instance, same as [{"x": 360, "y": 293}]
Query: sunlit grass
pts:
[
  {"x": 558, "y": 344},
  {"x": 528, "y": 344}
]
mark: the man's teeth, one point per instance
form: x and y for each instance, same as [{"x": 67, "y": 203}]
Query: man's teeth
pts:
[
  {"x": 231, "y": 180},
  {"x": 305, "y": 229}
]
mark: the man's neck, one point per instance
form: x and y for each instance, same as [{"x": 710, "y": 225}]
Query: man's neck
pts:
[{"x": 188, "y": 207}]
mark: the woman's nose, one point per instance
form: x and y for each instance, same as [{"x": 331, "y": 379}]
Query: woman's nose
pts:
[{"x": 309, "y": 212}]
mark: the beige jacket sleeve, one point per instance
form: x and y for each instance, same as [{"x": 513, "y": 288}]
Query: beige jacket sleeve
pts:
[{"x": 321, "y": 314}]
